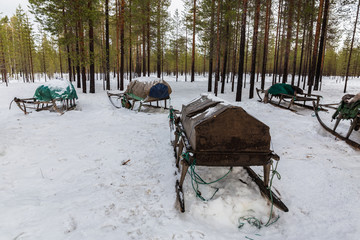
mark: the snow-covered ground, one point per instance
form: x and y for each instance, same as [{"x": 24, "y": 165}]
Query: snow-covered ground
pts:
[{"x": 62, "y": 177}]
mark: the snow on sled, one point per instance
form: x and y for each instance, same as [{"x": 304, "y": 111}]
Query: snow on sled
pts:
[
  {"x": 209, "y": 132},
  {"x": 54, "y": 95},
  {"x": 347, "y": 109},
  {"x": 287, "y": 93},
  {"x": 145, "y": 90}
]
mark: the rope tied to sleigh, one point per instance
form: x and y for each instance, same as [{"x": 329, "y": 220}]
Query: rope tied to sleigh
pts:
[
  {"x": 196, "y": 179},
  {"x": 253, "y": 221}
]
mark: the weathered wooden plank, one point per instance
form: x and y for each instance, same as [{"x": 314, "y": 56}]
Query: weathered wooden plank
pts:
[{"x": 276, "y": 200}]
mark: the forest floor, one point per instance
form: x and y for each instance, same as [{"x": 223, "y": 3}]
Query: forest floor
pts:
[{"x": 62, "y": 177}]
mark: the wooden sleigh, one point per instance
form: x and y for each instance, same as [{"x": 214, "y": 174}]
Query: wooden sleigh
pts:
[
  {"x": 128, "y": 100},
  {"x": 144, "y": 92},
  {"x": 57, "y": 105},
  {"x": 286, "y": 100},
  {"x": 354, "y": 120},
  {"x": 208, "y": 133},
  {"x": 55, "y": 95}
]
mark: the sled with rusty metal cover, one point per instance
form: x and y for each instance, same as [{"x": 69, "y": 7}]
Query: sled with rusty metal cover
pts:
[
  {"x": 345, "y": 110},
  {"x": 144, "y": 92},
  {"x": 291, "y": 95},
  {"x": 55, "y": 95},
  {"x": 212, "y": 133}
]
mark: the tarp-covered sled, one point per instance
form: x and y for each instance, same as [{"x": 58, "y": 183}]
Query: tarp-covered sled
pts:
[
  {"x": 143, "y": 90},
  {"x": 57, "y": 95},
  {"x": 209, "y": 132},
  {"x": 286, "y": 92},
  {"x": 347, "y": 109}
]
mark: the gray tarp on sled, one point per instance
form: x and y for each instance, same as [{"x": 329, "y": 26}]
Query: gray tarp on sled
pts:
[
  {"x": 149, "y": 90},
  {"x": 143, "y": 90}
]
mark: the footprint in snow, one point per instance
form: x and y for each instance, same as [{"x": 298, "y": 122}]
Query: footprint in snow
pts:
[{"x": 71, "y": 225}]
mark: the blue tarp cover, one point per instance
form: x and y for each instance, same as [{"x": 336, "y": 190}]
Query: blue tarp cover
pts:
[{"x": 159, "y": 91}]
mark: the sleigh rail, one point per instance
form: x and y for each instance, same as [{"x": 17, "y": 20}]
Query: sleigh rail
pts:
[
  {"x": 202, "y": 140},
  {"x": 58, "y": 105}
]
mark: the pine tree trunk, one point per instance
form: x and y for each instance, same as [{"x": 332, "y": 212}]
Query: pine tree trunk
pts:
[
  {"x": 242, "y": 52},
  {"x": 176, "y": 60},
  {"x": 266, "y": 41},
  {"x": 288, "y": 40},
  {"x": 44, "y": 61},
  {"x": 302, "y": 52},
  {"x": 158, "y": 42},
  {"x": 130, "y": 42},
  {"x": 254, "y": 48},
  {"x": 186, "y": 39},
  {"x": 30, "y": 53},
  {"x": 351, "y": 48},
  {"x": 277, "y": 43},
  {"x": 246, "y": 55},
  {"x": 82, "y": 56},
  {"x": 315, "y": 50},
  {"x": 137, "y": 67},
  {"x": 204, "y": 65},
  {"x": 144, "y": 46},
  {"x": 122, "y": 51},
  {"x": 148, "y": 37},
  {"x": 91, "y": 50},
  {"x": 107, "y": 46},
  {"x": 60, "y": 61},
  {"x": 67, "y": 49},
  {"x": 309, "y": 44},
  {"x": 296, "y": 43},
  {"x": 217, "y": 66},
  {"x": 193, "y": 45},
  {"x": 223, "y": 73},
  {"x": 322, "y": 45},
  {"x": 235, "y": 49},
  {"x": 3, "y": 61},
  {"x": 211, "y": 47},
  {"x": 280, "y": 70},
  {"x": 77, "y": 57},
  {"x": 117, "y": 15}
]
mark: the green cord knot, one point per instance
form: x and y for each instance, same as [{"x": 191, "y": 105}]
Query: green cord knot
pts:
[
  {"x": 277, "y": 174},
  {"x": 253, "y": 221}
]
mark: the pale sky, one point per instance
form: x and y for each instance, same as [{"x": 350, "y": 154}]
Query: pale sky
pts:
[
  {"x": 176, "y": 4},
  {"x": 8, "y": 7}
]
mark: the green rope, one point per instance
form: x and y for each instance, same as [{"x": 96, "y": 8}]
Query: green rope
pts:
[
  {"x": 196, "y": 179},
  {"x": 171, "y": 114},
  {"x": 248, "y": 238},
  {"x": 277, "y": 174},
  {"x": 253, "y": 220}
]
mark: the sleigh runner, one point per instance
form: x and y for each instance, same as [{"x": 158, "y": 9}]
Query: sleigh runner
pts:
[
  {"x": 55, "y": 95},
  {"x": 349, "y": 110},
  {"x": 144, "y": 92},
  {"x": 211, "y": 133}
]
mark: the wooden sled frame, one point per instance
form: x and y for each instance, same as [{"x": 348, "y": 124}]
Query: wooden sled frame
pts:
[
  {"x": 354, "y": 125},
  {"x": 32, "y": 103},
  {"x": 294, "y": 100},
  {"x": 131, "y": 97},
  {"x": 182, "y": 143}
]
